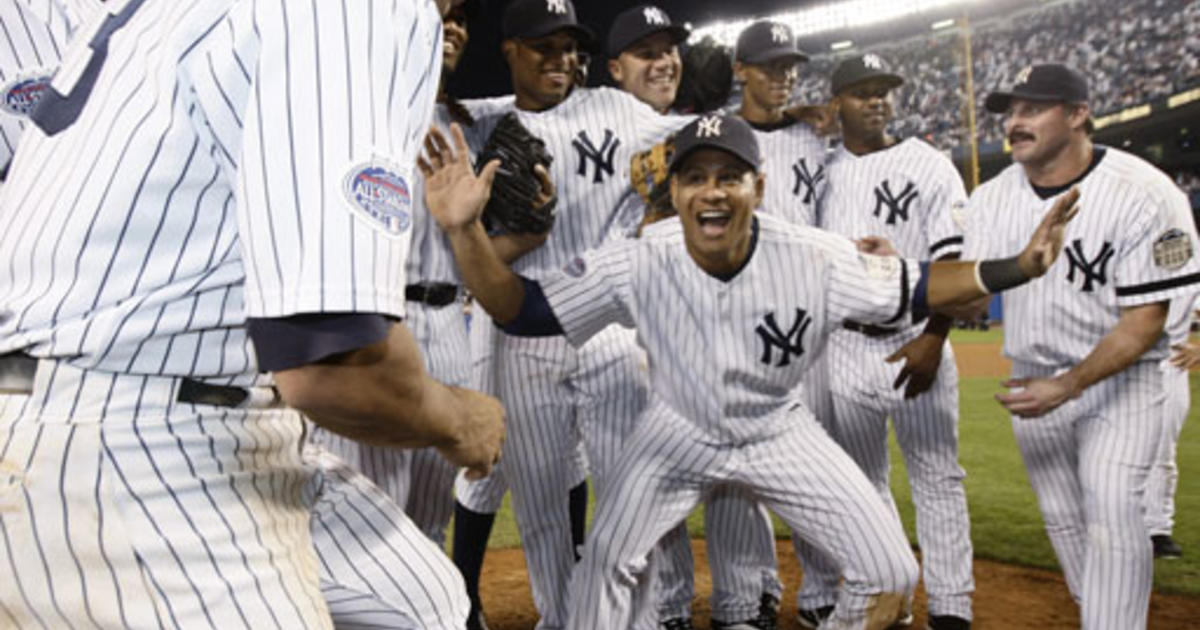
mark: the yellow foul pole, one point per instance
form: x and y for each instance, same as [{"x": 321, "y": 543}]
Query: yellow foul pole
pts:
[{"x": 972, "y": 131}]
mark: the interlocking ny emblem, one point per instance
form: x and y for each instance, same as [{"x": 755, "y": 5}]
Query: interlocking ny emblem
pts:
[
  {"x": 897, "y": 205},
  {"x": 780, "y": 34},
  {"x": 556, "y": 6},
  {"x": 788, "y": 344},
  {"x": 807, "y": 179},
  {"x": 655, "y": 16},
  {"x": 871, "y": 60},
  {"x": 1023, "y": 75},
  {"x": 601, "y": 157},
  {"x": 709, "y": 127},
  {"x": 1094, "y": 270}
]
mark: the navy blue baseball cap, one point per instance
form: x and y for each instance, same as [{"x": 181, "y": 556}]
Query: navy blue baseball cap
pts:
[
  {"x": 717, "y": 131},
  {"x": 863, "y": 68},
  {"x": 644, "y": 20},
  {"x": 1050, "y": 82},
  {"x": 765, "y": 41},
  {"x": 531, "y": 19}
]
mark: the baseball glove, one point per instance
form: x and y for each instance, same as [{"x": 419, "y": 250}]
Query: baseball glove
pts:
[
  {"x": 648, "y": 170},
  {"x": 515, "y": 205}
]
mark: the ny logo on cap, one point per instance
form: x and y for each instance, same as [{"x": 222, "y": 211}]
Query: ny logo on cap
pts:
[
  {"x": 556, "y": 6},
  {"x": 873, "y": 61},
  {"x": 1023, "y": 75},
  {"x": 709, "y": 127},
  {"x": 655, "y": 15},
  {"x": 781, "y": 34}
]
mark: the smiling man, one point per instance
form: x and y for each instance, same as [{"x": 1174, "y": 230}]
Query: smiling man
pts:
[
  {"x": 1087, "y": 394},
  {"x": 731, "y": 306}
]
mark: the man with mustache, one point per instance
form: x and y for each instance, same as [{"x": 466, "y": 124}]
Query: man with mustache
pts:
[
  {"x": 908, "y": 192},
  {"x": 1087, "y": 395}
]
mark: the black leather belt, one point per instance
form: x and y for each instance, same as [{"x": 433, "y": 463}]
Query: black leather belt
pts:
[
  {"x": 869, "y": 330},
  {"x": 436, "y": 295},
  {"x": 17, "y": 371}
]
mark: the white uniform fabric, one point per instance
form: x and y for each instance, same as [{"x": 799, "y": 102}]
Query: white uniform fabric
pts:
[
  {"x": 32, "y": 40},
  {"x": 908, "y": 193},
  {"x": 1164, "y": 475},
  {"x": 196, "y": 198},
  {"x": 794, "y": 165},
  {"x": 723, "y": 370},
  {"x": 547, "y": 386},
  {"x": 1132, "y": 243}
]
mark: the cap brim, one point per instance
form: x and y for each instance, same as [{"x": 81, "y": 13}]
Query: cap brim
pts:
[
  {"x": 770, "y": 56},
  {"x": 893, "y": 81},
  {"x": 679, "y": 34},
  {"x": 999, "y": 102}
]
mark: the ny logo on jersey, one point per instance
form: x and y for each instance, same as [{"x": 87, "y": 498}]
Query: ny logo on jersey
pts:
[
  {"x": 556, "y": 6},
  {"x": 788, "y": 344},
  {"x": 897, "y": 205},
  {"x": 871, "y": 60},
  {"x": 807, "y": 179},
  {"x": 601, "y": 157},
  {"x": 781, "y": 34},
  {"x": 1094, "y": 270},
  {"x": 655, "y": 16}
]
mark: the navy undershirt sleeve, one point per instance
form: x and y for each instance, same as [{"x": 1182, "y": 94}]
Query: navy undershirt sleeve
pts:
[
  {"x": 920, "y": 301},
  {"x": 536, "y": 318},
  {"x": 290, "y": 342}
]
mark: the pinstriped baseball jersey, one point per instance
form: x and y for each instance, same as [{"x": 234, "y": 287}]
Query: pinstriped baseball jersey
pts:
[
  {"x": 1132, "y": 243},
  {"x": 753, "y": 337},
  {"x": 592, "y": 136},
  {"x": 33, "y": 35},
  {"x": 909, "y": 193},
  {"x": 252, "y": 173},
  {"x": 794, "y": 163}
]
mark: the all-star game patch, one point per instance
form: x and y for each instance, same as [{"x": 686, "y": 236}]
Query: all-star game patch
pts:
[
  {"x": 382, "y": 196},
  {"x": 1173, "y": 249},
  {"x": 882, "y": 267},
  {"x": 575, "y": 268},
  {"x": 22, "y": 94}
]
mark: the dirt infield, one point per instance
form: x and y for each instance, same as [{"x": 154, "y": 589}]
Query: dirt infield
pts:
[{"x": 1006, "y": 597}]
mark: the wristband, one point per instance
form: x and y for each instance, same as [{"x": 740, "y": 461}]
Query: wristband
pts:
[{"x": 996, "y": 275}]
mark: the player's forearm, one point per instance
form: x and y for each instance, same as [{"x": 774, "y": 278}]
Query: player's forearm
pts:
[
  {"x": 510, "y": 247},
  {"x": 1138, "y": 329},
  {"x": 952, "y": 288},
  {"x": 497, "y": 289},
  {"x": 379, "y": 394}
]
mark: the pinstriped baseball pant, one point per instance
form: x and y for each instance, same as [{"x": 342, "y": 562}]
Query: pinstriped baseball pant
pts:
[
  {"x": 1164, "y": 475},
  {"x": 800, "y": 474},
  {"x": 927, "y": 432},
  {"x": 1088, "y": 462},
  {"x": 120, "y": 508}
]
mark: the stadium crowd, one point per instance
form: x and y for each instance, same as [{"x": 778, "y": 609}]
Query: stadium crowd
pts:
[{"x": 1135, "y": 51}]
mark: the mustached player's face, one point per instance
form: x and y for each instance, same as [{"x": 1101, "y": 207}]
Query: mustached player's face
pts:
[
  {"x": 769, "y": 84},
  {"x": 715, "y": 193},
  {"x": 543, "y": 69},
  {"x": 1038, "y": 131},
  {"x": 865, "y": 109},
  {"x": 650, "y": 70}
]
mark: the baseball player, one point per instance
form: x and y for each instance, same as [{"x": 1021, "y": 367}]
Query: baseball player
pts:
[
  {"x": 1087, "y": 392},
  {"x": 706, "y": 293},
  {"x": 553, "y": 393},
  {"x": 144, "y": 320},
  {"x": 908, "y": 192},
  {"x": 644, "y": 60},
  {"x": 1164, "y": 474}
]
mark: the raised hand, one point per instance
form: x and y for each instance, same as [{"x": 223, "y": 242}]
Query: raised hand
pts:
[
  {"x": 1047, "y": 240},
  {"x": 454, "y": 194}
]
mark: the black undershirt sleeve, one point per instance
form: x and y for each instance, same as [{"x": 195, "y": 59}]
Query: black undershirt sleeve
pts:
[{"x": 290, "y": 342}]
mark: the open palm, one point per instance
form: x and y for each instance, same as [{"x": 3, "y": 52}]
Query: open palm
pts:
[{"x": 454, "y": 194}]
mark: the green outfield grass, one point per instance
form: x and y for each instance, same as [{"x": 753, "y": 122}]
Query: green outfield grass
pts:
[{"x": 1005, "y": 523}]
